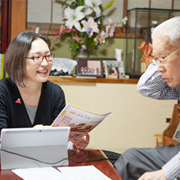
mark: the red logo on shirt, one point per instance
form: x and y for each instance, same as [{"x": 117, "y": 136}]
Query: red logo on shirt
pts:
[{"x": 18, "y": 101}]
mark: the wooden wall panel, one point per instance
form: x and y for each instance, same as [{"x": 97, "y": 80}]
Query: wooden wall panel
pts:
[
  {"x": 18, "y": 17},
  {"x": 5, "y": 24}
]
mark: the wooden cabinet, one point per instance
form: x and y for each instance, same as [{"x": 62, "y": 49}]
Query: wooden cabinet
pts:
[
  {"x": 13, "y": 21},
  {"x": 141, "y": 22},
  {"x": 5, "y": 24}
]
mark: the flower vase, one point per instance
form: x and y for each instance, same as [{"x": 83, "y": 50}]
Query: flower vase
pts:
[{"x": 82, "y": 53}]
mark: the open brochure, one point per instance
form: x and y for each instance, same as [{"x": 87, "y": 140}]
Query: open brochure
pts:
[{"x": 80, "y": 120}]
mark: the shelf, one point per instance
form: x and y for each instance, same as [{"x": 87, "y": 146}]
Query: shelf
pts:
[{"x": 98, "y": 80}]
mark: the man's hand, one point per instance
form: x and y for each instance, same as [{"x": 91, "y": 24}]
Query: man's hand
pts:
[
  {"x": 156, "y": 175},
  {"x": 81, "y": 142}
]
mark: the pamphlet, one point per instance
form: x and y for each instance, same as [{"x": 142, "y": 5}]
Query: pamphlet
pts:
[{"x": 80, "y": 120}]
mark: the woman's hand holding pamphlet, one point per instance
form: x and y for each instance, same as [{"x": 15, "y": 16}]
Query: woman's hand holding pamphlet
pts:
[{"x": 80, "y": 120}]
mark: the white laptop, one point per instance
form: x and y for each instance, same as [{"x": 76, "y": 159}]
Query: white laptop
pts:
[{"x": 34, "y": 147}]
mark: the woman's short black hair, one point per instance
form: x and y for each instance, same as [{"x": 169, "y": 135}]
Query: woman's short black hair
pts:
[{"x": 14, "y": 60}]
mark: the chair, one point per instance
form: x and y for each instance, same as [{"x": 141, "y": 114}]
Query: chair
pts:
[{"x": 170, "y": 130}]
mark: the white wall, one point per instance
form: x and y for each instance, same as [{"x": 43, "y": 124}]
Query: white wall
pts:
[
  {"x": 42, "y": 10},
  {"x": 134, "y": 119}
]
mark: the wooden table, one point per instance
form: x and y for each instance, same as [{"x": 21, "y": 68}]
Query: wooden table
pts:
[{"x": 83, "y": 158}]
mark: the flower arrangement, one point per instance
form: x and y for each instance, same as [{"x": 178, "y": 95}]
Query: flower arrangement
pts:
[{"x": 83, "y": 22}]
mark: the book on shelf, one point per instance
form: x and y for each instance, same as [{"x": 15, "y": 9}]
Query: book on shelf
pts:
[{"x": 80, "y": 120}]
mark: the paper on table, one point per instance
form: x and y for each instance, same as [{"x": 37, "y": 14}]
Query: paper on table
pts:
[
  {"x": 83, "y": 173},
  {"x": 67, "y": 173},
  {"x": 40, "y": 173}
]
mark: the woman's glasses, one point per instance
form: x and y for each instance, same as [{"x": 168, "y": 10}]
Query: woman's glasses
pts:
[{"x": 39, "y": 59}]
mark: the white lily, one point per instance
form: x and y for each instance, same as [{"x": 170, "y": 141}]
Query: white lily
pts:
[
  {"x": 90, "y": 26},
  {"x": 94, "y": 4},
  {"x": 73, "y": 16},
  {"x": 103, "y": 33},
  {"x": 124, "y": 20},
  {"x": 88, "y": 11}
]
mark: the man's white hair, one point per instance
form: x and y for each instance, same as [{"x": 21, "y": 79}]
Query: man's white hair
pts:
[{"x": 169, "y": 28}]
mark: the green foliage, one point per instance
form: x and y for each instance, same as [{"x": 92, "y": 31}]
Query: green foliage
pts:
[
  {"x": 109, "y": 4},
  {"x": 74, "y": 48},
  {"x": 80, "y": 2}
]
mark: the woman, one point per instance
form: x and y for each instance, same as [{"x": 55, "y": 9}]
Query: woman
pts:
[{"x": 27, "y": 98}]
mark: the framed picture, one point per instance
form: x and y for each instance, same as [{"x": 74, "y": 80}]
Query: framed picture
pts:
[
  {"x": 104, "y": 60},
  {"x": 91, "y": 67},
  {"x": 113, "y": 69}
]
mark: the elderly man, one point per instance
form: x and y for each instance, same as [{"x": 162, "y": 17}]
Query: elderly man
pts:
[{"x": 160, "y": 81}]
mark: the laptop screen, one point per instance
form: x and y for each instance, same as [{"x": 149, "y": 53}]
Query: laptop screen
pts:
[{"x": 34, "y": 147}]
